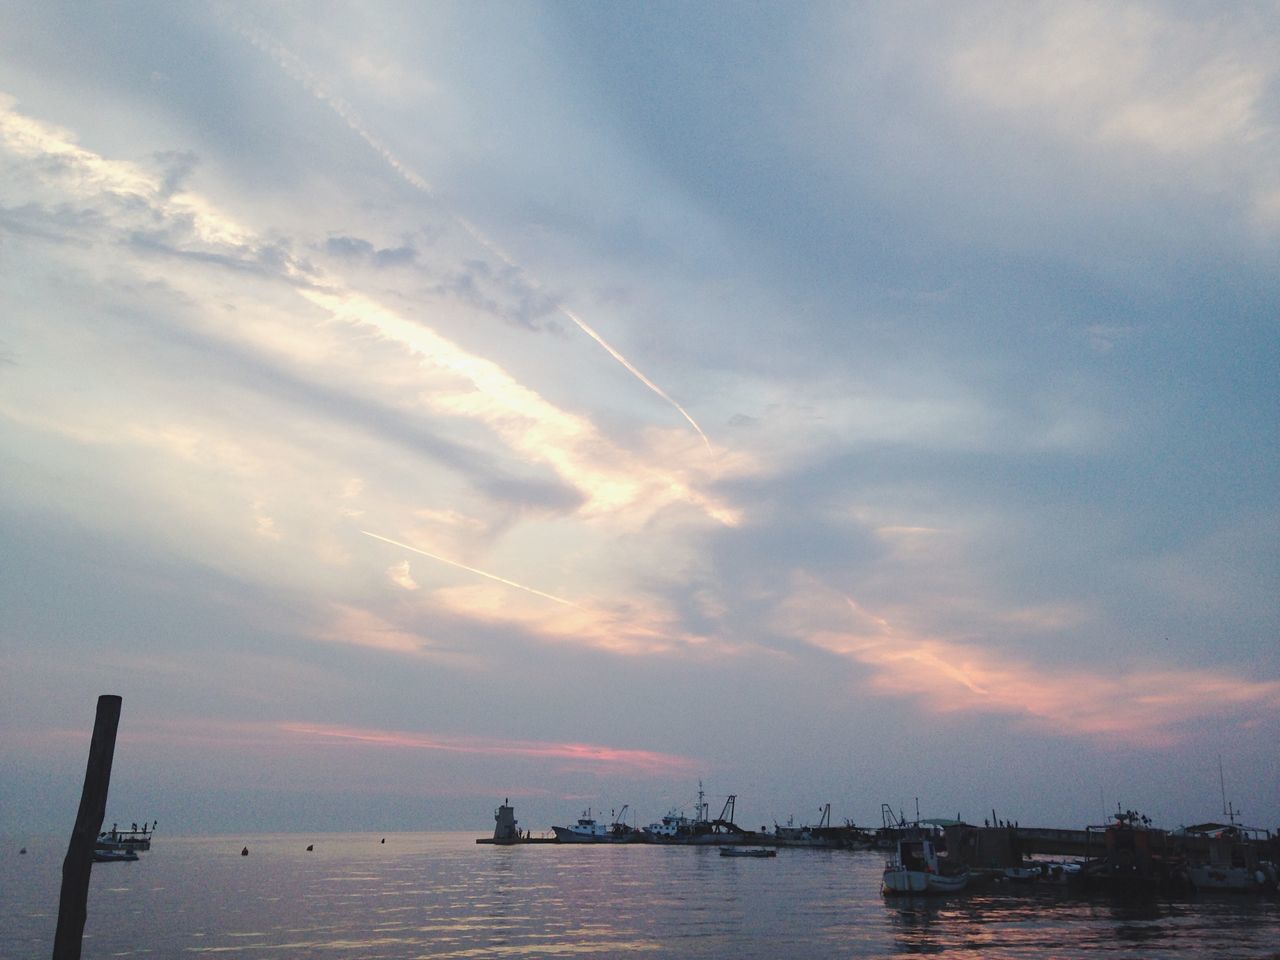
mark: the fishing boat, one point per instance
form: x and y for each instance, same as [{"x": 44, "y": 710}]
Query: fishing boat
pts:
[
  {"x": 1136, "y": 858},
  {"x": 590, "y": 830},
  {"x": 135, "y": 838},
  {"x": 698, "y": 829},
  {"x": 822, "y": 835},
  {"x": 586, "y": 830},
  {"x": 759, "y": 852},
  {"x": 670, "y": 826},
  {"x": 918, "y": 869},
  {"x": 1227, "y": 857}
]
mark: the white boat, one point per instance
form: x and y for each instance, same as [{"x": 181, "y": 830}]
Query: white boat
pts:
[
  {"x": 918, "y": 869},
  {"x": 586, "y": 830},
  {"x": 672, "y": 825},
  {"x": 699, "y": 829},
  {"x": 137, "y": 838},
  {"x": 590, "y": 830},
  {"x": 1228, "y": 857},
  {"x": 116, "y": 845}
]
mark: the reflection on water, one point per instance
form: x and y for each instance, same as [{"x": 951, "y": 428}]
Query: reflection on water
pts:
[{"x": 441, "y": 895}]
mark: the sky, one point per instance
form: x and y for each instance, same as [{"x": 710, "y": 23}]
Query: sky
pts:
[{"x": 405, "y": 407}]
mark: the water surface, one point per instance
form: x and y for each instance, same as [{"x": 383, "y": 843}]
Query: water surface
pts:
[{"x": 442, "y": 896}]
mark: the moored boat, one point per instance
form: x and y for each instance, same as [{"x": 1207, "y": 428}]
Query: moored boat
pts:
[
  {"x": 671, "y": 826},
  {"x": 1137, "y": 859},
  {"x": 918, "y": 869},
  {"x": 699, "y": 829},
  {"x": 760, "y": 852},
  {"x": 1227, "y": 857},
  {"x": 590, "y": 830},
  {"x": 586, "y": 830}
]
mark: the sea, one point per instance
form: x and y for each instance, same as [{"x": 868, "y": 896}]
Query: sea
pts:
[{"x": 440, "y": 895}]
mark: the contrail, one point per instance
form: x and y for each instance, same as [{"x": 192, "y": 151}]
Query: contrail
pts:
[
  {"x": 294, "y": 67},
  {"x": 482, "y": 573}
]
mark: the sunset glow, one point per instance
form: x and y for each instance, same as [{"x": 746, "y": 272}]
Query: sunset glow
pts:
[{"x": 476, "y": 401}]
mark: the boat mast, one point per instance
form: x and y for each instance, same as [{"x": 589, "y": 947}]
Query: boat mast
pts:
[{"x": 1227, "y": 810}]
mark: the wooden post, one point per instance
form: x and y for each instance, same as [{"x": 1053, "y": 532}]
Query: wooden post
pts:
[{"x": 73, "y": 905}]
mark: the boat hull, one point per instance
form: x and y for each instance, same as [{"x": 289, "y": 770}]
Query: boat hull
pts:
[
  {"x": 570, "y": 835},
  {"x": 114, "y": 856},
  {"x": 901, "y": 881},
  {"x": 1236, "y": 879}
]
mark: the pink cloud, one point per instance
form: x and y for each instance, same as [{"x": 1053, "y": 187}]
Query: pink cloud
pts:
[
  {"x": 615, "y": 759},
  {"x": 1101, "y": 700}
]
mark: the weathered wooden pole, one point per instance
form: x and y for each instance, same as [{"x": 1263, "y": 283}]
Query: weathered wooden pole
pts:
[{"x": 73, "y": 905}]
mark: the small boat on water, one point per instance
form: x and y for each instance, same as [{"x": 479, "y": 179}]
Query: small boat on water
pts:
[
  {"x": 1021, "y": 874},
  {"x": 758, "y": 852},
  {"x": 1059, "y": 873},
  {"x": 918, "y": 869}
]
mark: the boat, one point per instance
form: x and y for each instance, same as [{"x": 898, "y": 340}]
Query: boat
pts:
[
  {"x": 136, "y": 838},
  {"x": 822, "y": 835},
  {"x": 671, "y": 826},
  {"x": 918, "y": 869},
  {"x": 759, "y": 852},
  {"x": 116, "y": 845},
  {"x": 590, "y": 830},
  {"x": 1059, "y": 873},
  {"x": 1020, "y": 874},
  {"x": 114, "y": 856},
  {"x": 700, "y": 829},
  {"x": 1227, "y": 857},
  {"x": 1136, "y": 859}
]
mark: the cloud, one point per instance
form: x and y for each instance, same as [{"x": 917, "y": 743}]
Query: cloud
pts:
[
  {"x": 402, "y": 576},
  {"x": 568, "y": 756},
  {"x": 1166, "y": 84},
  {"x": 451, "y": 382},
  {"x": 504, "y": 292},
  {"x": 359, "y": 249},
  {"x": 1107, "y": 701},
  {"x": 1128, "y": 74}
]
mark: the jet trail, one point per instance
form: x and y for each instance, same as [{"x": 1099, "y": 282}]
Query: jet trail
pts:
[
  {"x": 482, "y": 573},
  {"x": 294, "y": 67}
]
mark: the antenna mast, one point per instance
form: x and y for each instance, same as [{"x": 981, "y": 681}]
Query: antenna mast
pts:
[{"x": 1222, "y": 783}]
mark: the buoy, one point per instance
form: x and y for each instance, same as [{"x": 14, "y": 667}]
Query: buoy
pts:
[
  {"x": 244, "y": 852},
  {"x": 24, "y": 849},
  {"x": 384, "y": 839}
]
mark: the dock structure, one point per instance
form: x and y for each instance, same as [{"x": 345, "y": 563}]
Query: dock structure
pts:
[
  {"x": 997, "y": 848},
  {"x": 1007, "y": 845},
  {"x": 506, "y": 831}
]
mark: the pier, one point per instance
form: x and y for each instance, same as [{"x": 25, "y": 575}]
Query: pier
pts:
[
  {"x": 993, "y": 848},
  {"x": 506, "y": 830}
]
